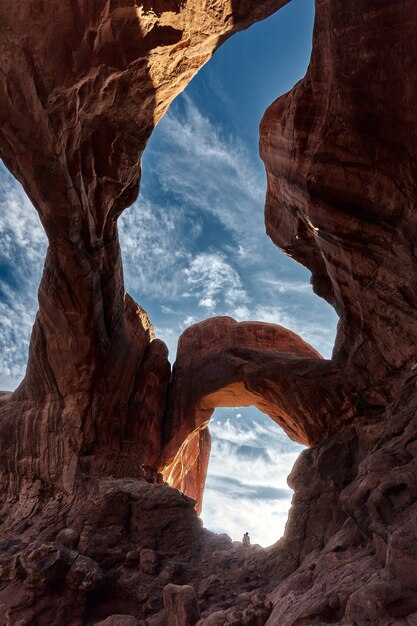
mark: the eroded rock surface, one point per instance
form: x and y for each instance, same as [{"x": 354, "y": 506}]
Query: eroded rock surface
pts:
[
  {"x": 88, "y": 532},
  {"x": 340, "y": 152},
  {"x": 82, "y": 86}
]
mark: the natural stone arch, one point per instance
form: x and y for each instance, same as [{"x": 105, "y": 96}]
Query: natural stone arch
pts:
[{"x": 223, "y": 363}]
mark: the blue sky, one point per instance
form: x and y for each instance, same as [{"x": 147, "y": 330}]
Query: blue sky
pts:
[{"x": 194, "y": 246}]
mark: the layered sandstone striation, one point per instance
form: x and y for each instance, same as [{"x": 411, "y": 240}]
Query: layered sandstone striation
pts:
[
  {"x": 340, "y": 151},
  {"x": 89, "y": 534},
  {"x": 82, "y": 87}
]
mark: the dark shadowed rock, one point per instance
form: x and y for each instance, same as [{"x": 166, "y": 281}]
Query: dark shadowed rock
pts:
[
  {"x": 149, "y": 561},
  {"x": 68, "y": 537}
]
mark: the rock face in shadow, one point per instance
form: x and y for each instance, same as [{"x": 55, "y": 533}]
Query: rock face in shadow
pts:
[
  {"x": 340, "y": 152},
  {"x": 88, "y": 532}
]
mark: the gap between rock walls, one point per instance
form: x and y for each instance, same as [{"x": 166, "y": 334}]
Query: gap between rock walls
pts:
[{"x": 246, "y": 486}]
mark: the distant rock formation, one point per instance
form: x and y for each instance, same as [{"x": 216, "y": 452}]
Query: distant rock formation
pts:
[
  {"x": 221, "y": 362},
  {"x": 89, "y": 534}
]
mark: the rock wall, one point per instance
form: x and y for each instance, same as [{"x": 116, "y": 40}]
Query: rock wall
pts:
[
  {"x": 88, "y": 533},
  {"x": 340, "y": 152}
]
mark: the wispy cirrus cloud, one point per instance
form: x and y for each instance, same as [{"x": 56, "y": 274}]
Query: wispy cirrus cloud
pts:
[
  {"x": 237, "y": 489},
  {"x": 155, "y": 250},
  {"x": 212, "y": 172},
  {"x": 16, "y": 321},
  {"x": 247, "y": 486},
  {"x": 21, "y": 232},
  {"x": 194, "y": 173},
  {"x": 286, "y": 286}
]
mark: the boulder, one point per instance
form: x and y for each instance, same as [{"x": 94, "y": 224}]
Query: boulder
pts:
[{"x": 181, "y": 605}]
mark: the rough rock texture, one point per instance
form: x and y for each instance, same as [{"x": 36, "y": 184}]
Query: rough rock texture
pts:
[
  {"x": 221, "y": 362},
  {"x": 82, "y": 85},
  {"x": 118, "y": 620},
  {"x": 340, "y": 152},
  {"x": 186, "y": 470},
  {"x": 87, "y": 532},
  {"x": 181, "y": 605}
]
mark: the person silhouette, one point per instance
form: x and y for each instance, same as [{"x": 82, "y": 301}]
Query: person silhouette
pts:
[{"x": 246, "y": 540}]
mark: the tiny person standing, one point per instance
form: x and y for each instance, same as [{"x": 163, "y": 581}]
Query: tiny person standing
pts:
[{"x": 246, "y": 540}]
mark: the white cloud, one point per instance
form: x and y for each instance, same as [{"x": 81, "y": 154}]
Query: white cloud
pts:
[
  {"x": 247, "y": 478},
  {"x": 22, "y": 256},
  {"x": 16, "y": 320},
  {"x": 154, "y": 254},
  {"x": 212, "y": 172},
  {"x": 287, "y": 286},
  {"x": 272, "y": 314},
  {"x": 214, "y": 281},
  {"x": 20, "y": 229},
  {"x": 189, "y": 321},
  {"x": 200, "y": 171}
]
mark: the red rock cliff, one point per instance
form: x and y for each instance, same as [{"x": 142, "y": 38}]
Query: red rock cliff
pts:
[{"x": 340, "y": 155}]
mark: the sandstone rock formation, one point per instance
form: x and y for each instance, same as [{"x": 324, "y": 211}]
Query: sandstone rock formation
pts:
[
  {"x": 339, "y": 151},
  {"x": 224, "y": 363},
  {"x": 181, "y": 605},
  {"x": 88, "y": 534},
  {"x": 82, "y": 87}
]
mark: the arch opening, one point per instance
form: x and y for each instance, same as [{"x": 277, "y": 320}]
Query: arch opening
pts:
[{"x": 246, "y": 487}]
